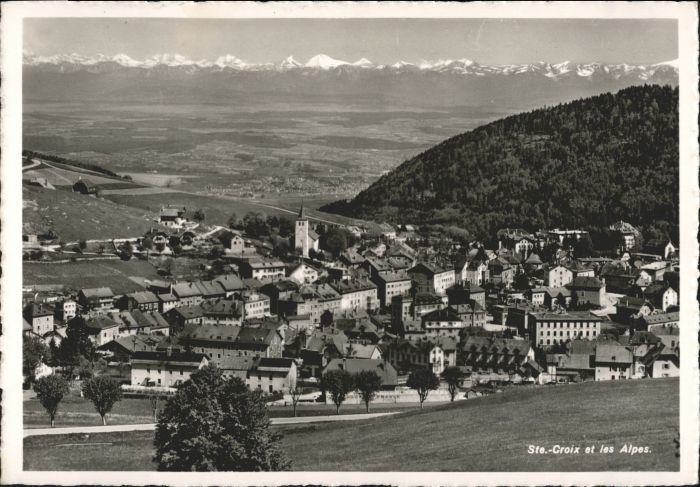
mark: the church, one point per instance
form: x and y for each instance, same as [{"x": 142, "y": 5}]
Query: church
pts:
[{"x": 305, "y": 239}]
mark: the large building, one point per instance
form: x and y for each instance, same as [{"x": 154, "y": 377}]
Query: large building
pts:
[
  {"x": 546, "y": 329},
  {"x": 431, "y": 278}
]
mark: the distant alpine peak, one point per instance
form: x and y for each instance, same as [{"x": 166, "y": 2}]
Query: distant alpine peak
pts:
[
  {"x": 322, "y": 61},
  {"x": 363, "y": 63},
  {"x": 229, "y": 61},
  {"x": 289, "y": 63}
]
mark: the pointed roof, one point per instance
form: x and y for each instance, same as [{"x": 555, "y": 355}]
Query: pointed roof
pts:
[{"x": 301, "y": 211}]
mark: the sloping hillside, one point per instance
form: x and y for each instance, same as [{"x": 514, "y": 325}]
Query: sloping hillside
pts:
[
  {"x": 75, "y": 217},
  {"x": 493, "y": 433},
  {"x": 586, "y": 163}
]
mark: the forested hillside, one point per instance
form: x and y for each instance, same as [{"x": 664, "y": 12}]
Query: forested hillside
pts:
[{"x": 587, "y": 163}]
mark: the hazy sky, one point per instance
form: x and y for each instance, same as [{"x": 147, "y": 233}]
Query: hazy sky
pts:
[{"x": 489, "y": 41}]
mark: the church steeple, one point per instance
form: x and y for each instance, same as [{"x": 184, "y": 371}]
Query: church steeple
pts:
[{"x": 301, "y": 210}]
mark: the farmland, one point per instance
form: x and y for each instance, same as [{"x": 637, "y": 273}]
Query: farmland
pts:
[{"x": 482, "y": 434}]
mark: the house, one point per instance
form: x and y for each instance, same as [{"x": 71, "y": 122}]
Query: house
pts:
[
  {"x": 501, "y": 272},
  {"x": 473, "y": 271},
  {"x": 536, "y": 295},
  {"x": 655, "y": 270},
  {"x": 662, "y": 296},
  {"x": 166, "y": 302},
  {"x": 351, "y": 258},
  {"x": 240, "y": 247},
  {"x": 303, "y": 273},
  {"x": 463, "y": 293},
  {"x": 164, "y": 368},
  {"x": 443, "y": 322},
  {"x": 85, "y": 186},
  {"x": 431, "y": 278},
  {"x": 100, "y": 328},
  {"x": 136, "y": 322},
  {"x": 221, "y": 311},
  {"x": 262, "y": 269},
  {"x": 664, "y": 363},
  {"x": 142, "y": 300},
  {"x": 278, "y": 291},
  {"x": 172, "y": 217},
  {"x": 507, "y": 359},
  {"x": 123, "y": 348},
  {"x": 355, "y": 365},
  {"x": 612, "y": 362},
  {"x": 187, "y": 293},
  {"x": 629, "y": 309},
  {"x": 318, "y": 349},
  {"x": 40, "y": 318},
  {"x": 356, "y": 294},
  {"x": 233, "y": 341},
  {"x": 546, "y": 329},
  {"x": 628, "y": 235},
  {"x": 533, "y": 262},
  {"x": 254, "y": 304},
  {"x": 663, "y": 249},
  {"x": 231, "y": 284},
  {"x": 273, "y": 375},
  {"x": 658, "y": 322},
  {"x": 99, "y": 299},
  {"x": 158, "y": 287},
  {"x": 588, "y": 290},
  {"x": 435, "y": 353},
  {"x": 360, "y": 350},
  {"x": 578, "y": 361},
  {"x": 182, "y": 316},
  {"x": 517, "y": 240},
  {"x": 65, "y": 309},
  {"x": 558, "y": 276},
  {"x": 391, "y": 284}
]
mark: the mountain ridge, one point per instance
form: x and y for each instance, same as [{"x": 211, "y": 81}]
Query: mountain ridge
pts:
[
  {"x": 598, "y": 160},
  {"x": 74, "y": 61}
]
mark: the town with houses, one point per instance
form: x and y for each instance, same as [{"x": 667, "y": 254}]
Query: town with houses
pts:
[{"x": 522, "y": 309}]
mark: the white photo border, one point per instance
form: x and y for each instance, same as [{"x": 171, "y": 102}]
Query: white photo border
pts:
[{"x": 686, "y": 14}]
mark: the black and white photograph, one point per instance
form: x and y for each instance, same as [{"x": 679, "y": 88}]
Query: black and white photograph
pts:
[{"x": 350, "y": 239}]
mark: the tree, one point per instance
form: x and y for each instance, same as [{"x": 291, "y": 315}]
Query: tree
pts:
[
  {"x": 75, "y": 346},
  {"x": 50, "y": 391},
  {"x": 583, "y": 247},
  {"x": 423, "y": 381},
  {"x": 34, "y": 351},
  {"x": 337, "y": 383},
  {"x": 154, "y": 398},
  {"x": 335, "y": 241},
  {"x": 214, "y": 423},
  {"x": 232, "y": 221},
  {"x": 126, "y": 251},
  {"x": 104, "y": 394},
  {"x": 453, "y": 377},
  {"x": 367, "y": 383},
  {"x": 199, "y": 215},
  {"x": 326, "y": 319},
  {"x": 295, "y": 392}
]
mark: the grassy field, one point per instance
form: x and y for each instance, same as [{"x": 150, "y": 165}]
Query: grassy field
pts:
[
  {"x": 490, "y": 433},
  {"x": 120, "y": 276},
  {"x": 76, "y": 217},
  {"x": 77, "y": 411}
]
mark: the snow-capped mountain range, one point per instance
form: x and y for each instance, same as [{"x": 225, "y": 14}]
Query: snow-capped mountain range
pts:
[{"x": 322, "y": 62}]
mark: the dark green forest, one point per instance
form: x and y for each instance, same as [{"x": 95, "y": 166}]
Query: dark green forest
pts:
[{"x": 582, "y": 164}]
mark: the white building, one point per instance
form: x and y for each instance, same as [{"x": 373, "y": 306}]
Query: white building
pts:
[{"x": 305, "y": 239}]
